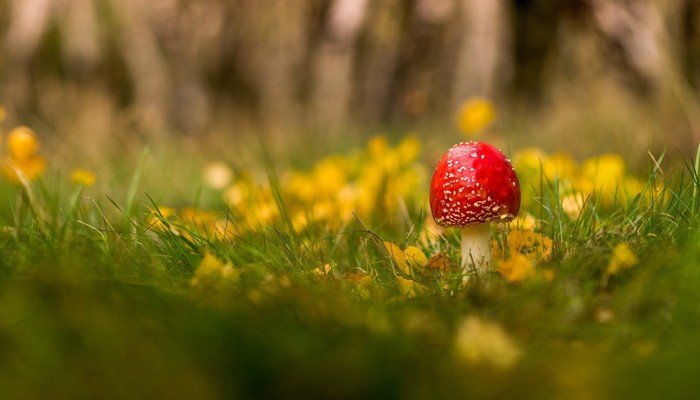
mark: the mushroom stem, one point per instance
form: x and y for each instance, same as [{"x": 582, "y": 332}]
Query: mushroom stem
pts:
[{"x": 476, "y": 248}]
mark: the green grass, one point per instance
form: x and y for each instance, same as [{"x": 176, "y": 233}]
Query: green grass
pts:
[{"x": 95, "y": 303}]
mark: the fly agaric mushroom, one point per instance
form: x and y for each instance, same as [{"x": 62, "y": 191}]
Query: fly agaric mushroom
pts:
[{"x": 474, "y": 183}]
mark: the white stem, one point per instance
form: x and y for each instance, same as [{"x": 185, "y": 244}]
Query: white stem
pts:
[{"x": 476, "y": 248}]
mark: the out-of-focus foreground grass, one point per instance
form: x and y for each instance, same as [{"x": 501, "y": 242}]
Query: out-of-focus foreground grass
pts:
[{"x": 326, "y": 277}]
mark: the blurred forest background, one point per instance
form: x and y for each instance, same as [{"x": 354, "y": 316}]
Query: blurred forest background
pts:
[{"x": 99, "y": 68}]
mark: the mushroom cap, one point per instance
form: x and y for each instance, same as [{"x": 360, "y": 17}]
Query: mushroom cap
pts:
[{"x": 474, "y": 182}]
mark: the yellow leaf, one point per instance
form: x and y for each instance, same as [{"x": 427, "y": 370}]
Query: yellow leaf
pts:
[
  {"x": 398, "y": 256},
  {"x": 415, "y": 257},
  {"x": 410, "y": 288},
  {"x": 534, "y": 246},
  {"x": 322, "y": 271},
  {"x": 516, "y": 269}
]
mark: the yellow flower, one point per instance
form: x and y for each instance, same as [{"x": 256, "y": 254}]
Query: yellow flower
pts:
[
  {"x": 23, "y": 163},
  {"x": 408, "y": 149},
  {"x": 377, "y": 146},
  {"x": 475, "y": 115},
  {"x": 622, "y": 258},
  {"x": 559, "y": 165},
  {"x": 602, "y": 176},
  {"x": 83, "y": 177},
  {"x": 158, "y": 216},
  {"x": 329, "y": 177},
  {"x": 22, "y": 143},
  {"x": 529, "y": 161},
  {"x": 17, "y": 171},
  {"x": 29, "y": 169},
  {"x": 516, "y": 269},
  {"x": 483, "y": 342}
]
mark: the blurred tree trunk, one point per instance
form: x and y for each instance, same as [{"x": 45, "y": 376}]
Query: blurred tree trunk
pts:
[
  {"x": 27, "y": 23},
  {"x": 483, "y": 55},
  {"x": 691, "y": 40},
  {"x": 378, "y": 50},
  {"x": 287, "y": 64},
  {"x": 423, "y": 79},
  {"x": 333, "y": 65},
  {"x": 148, "y": 69},
  {"x": 636, "y": 33},
  {"x": 276, "y": 35}
]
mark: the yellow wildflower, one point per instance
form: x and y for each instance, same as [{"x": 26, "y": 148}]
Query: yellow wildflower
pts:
[
  {"x": 559, "y": 166},
  {"x": 377, "y": 146},
  {"x": 22, "y": 143},
  {"x": 83, "y": 177},
  {"x": 198, "y": 221},
  {"x": 29, "y": 169},
  {"x": 23, "y": 162},
  {"x": 529, "y": 161},
  {"x": 483, "y": 342},
  {"x": 475, "y": 115},
  {"x": 329, "y": 177},
  {"x": 156, "y": 221},
  {"x": 602, "y": 176},
  {"x": 516, "y": 269},
  {"x": 408, "y": 149}
]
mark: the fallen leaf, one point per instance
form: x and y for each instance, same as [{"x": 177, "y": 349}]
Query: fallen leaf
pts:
[
  {"x": 441, "y": 262},
  {"x": 415, "y": 257},
  {"x": 516, "y": 269},
  {"x": 398, "y": 256},
  {"x": 410, "y": 288}
]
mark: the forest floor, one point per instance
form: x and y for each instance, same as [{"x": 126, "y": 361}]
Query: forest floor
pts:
[{"x": 327, "y": 278}]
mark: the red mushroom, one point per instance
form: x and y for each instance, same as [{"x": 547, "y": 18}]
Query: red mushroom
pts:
[{"x": 474, "y": 183}]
